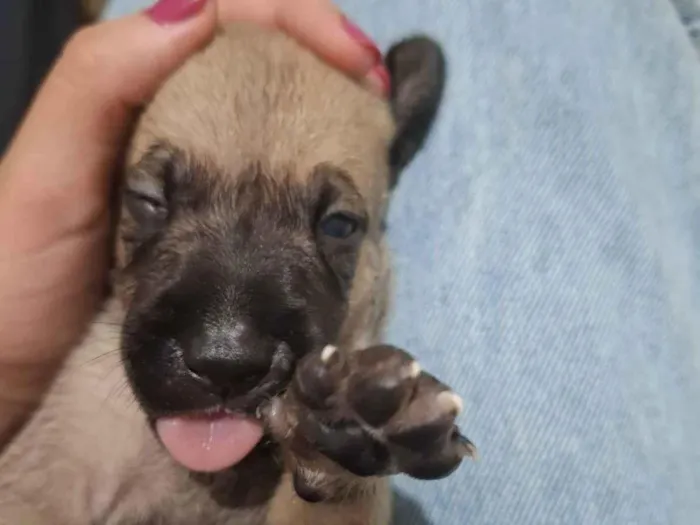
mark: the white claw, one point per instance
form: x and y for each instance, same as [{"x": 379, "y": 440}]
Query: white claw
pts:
[
  {"x": 415, "y": 370},
  {"x": 450, "y": 401},
  {"x": 327, "y": 353}
]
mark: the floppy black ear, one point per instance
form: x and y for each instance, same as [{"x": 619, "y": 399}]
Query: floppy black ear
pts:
[{"x": 417, "y": 69}]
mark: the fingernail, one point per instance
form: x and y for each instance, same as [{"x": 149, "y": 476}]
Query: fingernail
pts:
[
  {"x": 172, "y": 11},
  {"x": 378, "y": 80},
  {"x": 361, "y": 38}
]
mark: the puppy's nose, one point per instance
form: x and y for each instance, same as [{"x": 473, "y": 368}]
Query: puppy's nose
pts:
[{"x": 232, "y": 356}]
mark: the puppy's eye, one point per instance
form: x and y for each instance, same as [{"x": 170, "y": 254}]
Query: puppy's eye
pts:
[
  {"x": 145, "y": 208},
  {"x": 339, "y": 225}
]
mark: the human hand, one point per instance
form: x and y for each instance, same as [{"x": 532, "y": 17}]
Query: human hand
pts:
[{"x": 56, "y": 176}]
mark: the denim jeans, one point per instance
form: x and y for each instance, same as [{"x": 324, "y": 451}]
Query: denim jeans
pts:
[{"x": 547, "y": 247}]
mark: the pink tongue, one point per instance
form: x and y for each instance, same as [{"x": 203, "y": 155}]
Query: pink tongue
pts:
[{"x": 209, "y": 443}]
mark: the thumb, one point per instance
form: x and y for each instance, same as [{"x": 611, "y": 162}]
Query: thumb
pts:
[
  {"x": 72, "y": 134},
  {"x": 55, "y": 181}
]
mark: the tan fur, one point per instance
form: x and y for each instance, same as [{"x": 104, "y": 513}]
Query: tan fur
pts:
[
  {"x": 88, "y": 456},
  {"x": 287, "y": 509}
]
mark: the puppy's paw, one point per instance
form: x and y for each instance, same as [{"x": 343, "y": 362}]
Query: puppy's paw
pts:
[{"x": 373, "y": 412}]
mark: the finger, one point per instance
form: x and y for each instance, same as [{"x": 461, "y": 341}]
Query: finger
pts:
[
  {"x": 320, "y": 26},
  {"x": 71, "y": 135},
  {"x": 54, "y": 187}
]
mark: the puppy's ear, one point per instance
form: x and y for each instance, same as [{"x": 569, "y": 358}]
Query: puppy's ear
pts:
[{"x": 417, "y": 69}]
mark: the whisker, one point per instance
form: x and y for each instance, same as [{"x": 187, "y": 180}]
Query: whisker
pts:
[
  {"x": 113, "y": 324},
  {"x": 118, "y": 390},
  {"x": 100, "y": 357}
]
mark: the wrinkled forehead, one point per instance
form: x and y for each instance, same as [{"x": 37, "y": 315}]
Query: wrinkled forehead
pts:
[
  {"x": 257, "y": 100},
  {"x": 193, "y": 186}
]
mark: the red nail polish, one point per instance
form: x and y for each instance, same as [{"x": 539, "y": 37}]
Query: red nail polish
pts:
[
  {"x": 172, "y": 11},
  {"x": 361, "y": 38}
]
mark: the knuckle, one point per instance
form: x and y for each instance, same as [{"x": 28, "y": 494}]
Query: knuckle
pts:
[
  {"x": 84, "y": 64},
  {"x": 79, "y": 51}
]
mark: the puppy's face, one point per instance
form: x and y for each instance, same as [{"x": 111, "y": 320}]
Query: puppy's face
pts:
[
  {"x": 234, "y": 276},
  {"x": 252, "y": 216}
]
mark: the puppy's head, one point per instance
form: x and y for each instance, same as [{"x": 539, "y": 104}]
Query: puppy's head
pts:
[{"x": 252, "y": 210}]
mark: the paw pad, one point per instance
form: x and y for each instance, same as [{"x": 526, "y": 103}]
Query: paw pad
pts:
[{"x": 376, "y": 412}]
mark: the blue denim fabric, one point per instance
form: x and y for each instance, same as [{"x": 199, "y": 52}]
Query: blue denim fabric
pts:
[{"x": 548, "y": 254}]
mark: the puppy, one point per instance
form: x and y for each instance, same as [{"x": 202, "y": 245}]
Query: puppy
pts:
[{"x": 251, "y": 284}]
